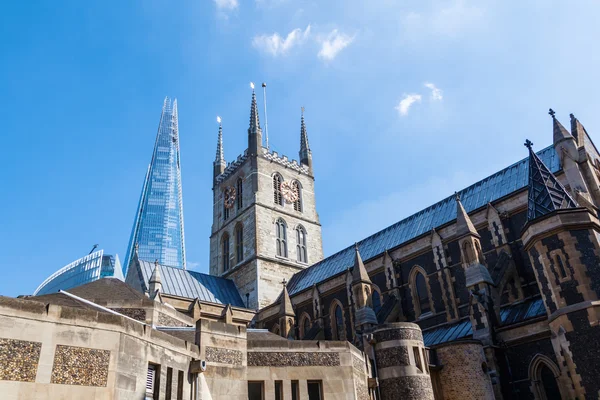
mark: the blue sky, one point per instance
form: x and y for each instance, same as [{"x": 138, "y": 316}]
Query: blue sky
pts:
[{"x": 406, "y": 102}]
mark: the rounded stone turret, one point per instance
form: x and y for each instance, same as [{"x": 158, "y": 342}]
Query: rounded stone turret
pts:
[{"x": 402, "y": 362}]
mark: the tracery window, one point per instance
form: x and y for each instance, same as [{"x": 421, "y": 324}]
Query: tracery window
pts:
[
  {"x": 239, "y": 243},
  {"x": 281, "y": 238},
  {"x": 277, "y": 196},
  {"x": 225, "y": 212},
  {"x": 376, "y": 300},
  {"x": 240, "y": 188},
  {"x": 301, "y": 253},
  {"x": 298, "y": 191},
  {"x": 225, "y": 251},
  {"x": 421, "y": 295}
]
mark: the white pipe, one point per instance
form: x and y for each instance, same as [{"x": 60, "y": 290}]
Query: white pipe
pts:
[{"x": 91, "y": 303}]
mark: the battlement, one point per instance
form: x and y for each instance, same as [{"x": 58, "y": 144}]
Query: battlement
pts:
[
  {"x": 283, "y": 160},
  {"x": 232, "y": 167}
]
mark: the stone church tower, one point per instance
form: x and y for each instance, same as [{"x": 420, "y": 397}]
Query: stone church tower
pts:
[{"x": 265, "y": 223}]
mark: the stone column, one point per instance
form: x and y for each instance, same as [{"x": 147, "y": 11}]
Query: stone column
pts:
[{"x": 402, "y": 362}]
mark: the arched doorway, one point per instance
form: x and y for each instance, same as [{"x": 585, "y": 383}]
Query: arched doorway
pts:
[{"x": 544, "y": 376}]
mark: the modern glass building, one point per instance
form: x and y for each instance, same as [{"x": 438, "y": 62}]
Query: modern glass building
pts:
[
  {"x": 84, "y": 270},
  {"x": 158, "y": 226}
]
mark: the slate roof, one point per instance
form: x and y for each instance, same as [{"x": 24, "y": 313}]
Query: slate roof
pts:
[
  {"x": 520, "y": 312},
  {"x": 192, "y": 284},
  {"x": 494, "y": 187},
  {"x": 448, "y": 333}
]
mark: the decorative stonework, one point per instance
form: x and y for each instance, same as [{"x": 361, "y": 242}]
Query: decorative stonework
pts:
[
  {"x": 225, "y": 356},
  {"x": 392, "y": 356},
  {"x": 19, "y": 360},
  {"x": 406, "y": 387},
  {"x": 80, "y": 366},
  {"x": 398, "y": 334},
  {"x": 165, "y": 320},
  {"x": 285, "y": 359},
  {"x": 139, "y": 314},
  {"x": 358, "y": 364},
  {"x": 362, "y": 393}
]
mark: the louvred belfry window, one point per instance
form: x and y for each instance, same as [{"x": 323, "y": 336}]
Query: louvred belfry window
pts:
[
  {"x": 277, "y": 197},
  {"x": 281, "y": 238},
  {"x": 240, "y": 188},
  {"x": 298, "y": 191},
  {"x": 301, "y": 254}
]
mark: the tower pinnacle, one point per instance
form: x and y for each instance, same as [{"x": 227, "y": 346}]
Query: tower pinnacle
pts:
[
  {"x": 219, "y": 164},
  {"x": 305, "y": 153},
  {"x": 254, "y": 130}
]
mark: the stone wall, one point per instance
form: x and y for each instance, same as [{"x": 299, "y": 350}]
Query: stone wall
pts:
[
  {"x": 464, "y": 372},
  {"x": 80, "y": 366}
]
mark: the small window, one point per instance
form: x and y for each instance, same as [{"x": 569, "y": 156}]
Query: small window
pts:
[
  {"x": 225, "y": 251},
  {"x": 277, "y": 197},
  {"x": 256, "y": 390},
  {"x": 295, "y": 390},
  {"x": 298, "y": 191},
  {"x": 240, "y": 199},
  {"x": 152, "y": 382},
  {"x": 281, "y": 240},
  {"x": 301, "y": 253},
  {"x": 278, "y": 390},
  {"x": 169, "y": 388},
  {"x": 417, "y": 354},
  {"x": 315, "y": 390},
  {"x": 239, "y": 243},
  {"x": 338, "y": 327},
  {"x": 561, "y": 266},
  {"x": 422, "y": 293},
  {"x": 180, "y": 385}
]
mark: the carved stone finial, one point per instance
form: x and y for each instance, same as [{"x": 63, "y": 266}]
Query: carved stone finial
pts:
[
  {"x": 156, "y": 262},
  {"x": 457, "y": 196},
  {"x": 284, "y": 282},
  {"x": 572, "y": 116},
  {"x": 551, "y": 112},
  {"x": 528, "y": 143}
]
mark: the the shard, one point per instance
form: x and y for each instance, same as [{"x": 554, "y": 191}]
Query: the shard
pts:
[{"x": 157, "y": 232}]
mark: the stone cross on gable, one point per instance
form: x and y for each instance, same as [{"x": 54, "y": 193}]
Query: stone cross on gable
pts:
[
  {"x": 551, "y": 112},
  {"x": 528, "y": 143}
]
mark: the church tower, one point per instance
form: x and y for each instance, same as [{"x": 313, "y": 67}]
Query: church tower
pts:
[{"x": 265, "y": 224}]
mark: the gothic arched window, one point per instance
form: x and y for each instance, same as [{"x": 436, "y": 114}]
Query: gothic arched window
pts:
[
  {"x": 225, "y": 251},
  {"x": 421, "y": 296},
  {"x": 298, "y": 190},
  {"x": 304, "y": 325},
  {"x": 338, "y": 328},
  {"x": 301, "y": 253},
  {"x": 281, "y": 235},
  {"x": 277, "y": 197},
  {"x": 239, "y": 243},
  {"x": 376, "y": 300},
  {"x": 240, "y": 188},
  {"x": 544, "y": 375}
]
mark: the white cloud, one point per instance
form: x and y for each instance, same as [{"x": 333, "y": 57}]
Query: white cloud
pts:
[
  {"x": 192, "y": 265},
  {"x": 226, "y": 4},
  {"x": 436, "y": 93},
  {"x": 276, "y": 45},
  {"x": 407, "y": 101},
  {"x": 333, "y": 44}
]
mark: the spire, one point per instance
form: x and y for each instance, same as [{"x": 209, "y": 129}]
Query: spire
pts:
[
  {"x": 254, "y": 122},
  {"x": 546, "y": 193},
  {"x": 286, "y": 307},
  {"x": 558, "y": 130},
  {"x": 577, "y": 130},
  {"x": 220, "y": 157},
  {"x": 155, "y": 282},
  {"x": 463, "y": 222},
  {"x": 359, "y": 272},
  {"x": 254, "y": 131}
]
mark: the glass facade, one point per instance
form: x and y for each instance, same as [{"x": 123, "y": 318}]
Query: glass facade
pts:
[
  {"x": 158, "y": 226},
  {"x": 84, "y": 270}
]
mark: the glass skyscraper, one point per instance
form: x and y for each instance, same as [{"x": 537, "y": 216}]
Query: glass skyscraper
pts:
[
  {"x": 87, "y": 269},
  {"x": 158, "y": 226}
]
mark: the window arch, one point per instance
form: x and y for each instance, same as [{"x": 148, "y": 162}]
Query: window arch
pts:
[
  {"x": 301, "y": 252},
  {"x": 281, "y": 238},
  {"x": 297, "y": 187},
  {"x": 240, "y": 192},
  {"x": 338, "y": 325},
  {"x": 420, "y": 292},
  {"x": 275, "y": 329},
  {"x": 239, "y": 243},
  {"x": 277, "y": 197},
  {"x": 544, "y": 375},
  {"x": 304, "y": 325},
  {"x": 225, "y": 251}
]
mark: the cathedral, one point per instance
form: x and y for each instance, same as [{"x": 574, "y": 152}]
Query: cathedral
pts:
[{"x": 491, "y": 293}]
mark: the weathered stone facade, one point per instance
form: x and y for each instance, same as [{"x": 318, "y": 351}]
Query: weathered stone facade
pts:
[{"x": 80, "y": 366}]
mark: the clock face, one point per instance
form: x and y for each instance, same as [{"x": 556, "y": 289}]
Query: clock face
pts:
[
  {"x": 289, "y": 192},
  {"x": 229, "y": 195}
]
